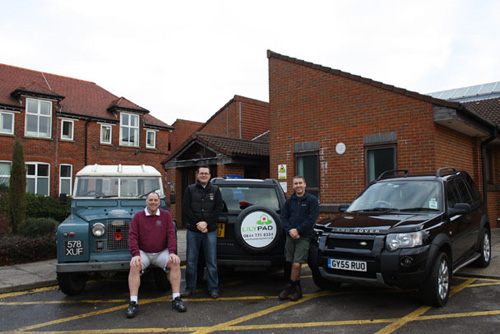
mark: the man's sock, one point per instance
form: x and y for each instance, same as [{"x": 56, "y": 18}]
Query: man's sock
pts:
[
  {"x": 175, "y": 295},
  {"x": 134, "y": 299}
]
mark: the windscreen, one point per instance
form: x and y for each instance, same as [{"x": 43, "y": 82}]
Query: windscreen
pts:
[
  {"x": 128, "y": 187},
  {"x": 403, "y": 196}
]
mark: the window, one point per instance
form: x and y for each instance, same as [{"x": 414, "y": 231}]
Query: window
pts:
[
  {"x": 151, "y": 139},
  {"x": 65, "y": 179},
  {"x": 378, "y": 160},
  {"x": 106, "y": 134},
  {"x": 129, "y": 129},
  {"x": 308, "y": 166},
  {"x": 38, "y": 118},
  {"x": 452, "y": 196},
  {"x": 6, "y": 123},
  {"x": 67, "y": 127},
  {"x": 37, "y": 178},
  {"x": 5, "y": 173}
]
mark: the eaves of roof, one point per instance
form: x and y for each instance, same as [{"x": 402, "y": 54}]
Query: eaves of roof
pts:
[{"x": 229, "y": 146}]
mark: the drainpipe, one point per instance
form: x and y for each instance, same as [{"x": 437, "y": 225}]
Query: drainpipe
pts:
[
  {"x": 240, "y": 118},
  {"x": 483, "y": 161},
  {"x": 85, "y": 155}
]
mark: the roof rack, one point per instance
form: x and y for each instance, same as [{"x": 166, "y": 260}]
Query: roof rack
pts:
[
  {"x": 440, "y": 173},
  {"x": 393, "y": 172}
]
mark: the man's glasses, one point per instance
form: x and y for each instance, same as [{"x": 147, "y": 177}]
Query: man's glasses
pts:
[{"x": 203, "y": 173}]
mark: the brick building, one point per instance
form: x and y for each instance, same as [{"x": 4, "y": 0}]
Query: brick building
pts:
[
  {"x": 485, "y": 101},
  {"x": 233, "y": 142},
  {"x": 182, "y": 130},
  {"x": 341, "y": 131},
  {"x": 65, "y": 124}
]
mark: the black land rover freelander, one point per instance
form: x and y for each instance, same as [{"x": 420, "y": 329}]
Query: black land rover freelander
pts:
[{"x": 405, "y": 231}]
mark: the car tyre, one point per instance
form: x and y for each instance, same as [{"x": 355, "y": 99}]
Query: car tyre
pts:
[
  {"x": 436, "y": 289},
  {"x": 484, "y": 249},
  {"x": 314, "y": 264},
  {"x": 72, "y": 283}
]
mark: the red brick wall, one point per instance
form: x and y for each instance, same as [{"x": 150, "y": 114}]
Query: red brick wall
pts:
[
  {"x": 494, "y": 194},
  {"x": 182, "y": 130},
  {"x": 494, "y": 208},
  {"x": 255, "y": 117},
  {"x": 223, "y": 170},
  {"x": 226, "y": 122},
  {"x": 309, "y": 105}
]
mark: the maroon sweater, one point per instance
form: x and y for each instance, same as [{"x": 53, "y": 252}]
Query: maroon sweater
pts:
[{"x": 152, "y": 234}]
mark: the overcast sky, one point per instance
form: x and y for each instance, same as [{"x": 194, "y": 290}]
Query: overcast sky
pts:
[{"x": 186, "y": 59}]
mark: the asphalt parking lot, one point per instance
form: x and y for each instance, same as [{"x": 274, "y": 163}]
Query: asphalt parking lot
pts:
[{"x": 249, "y": 304}]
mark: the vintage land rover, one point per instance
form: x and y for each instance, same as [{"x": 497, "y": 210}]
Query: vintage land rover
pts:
[{"x": 93, "y": 239}]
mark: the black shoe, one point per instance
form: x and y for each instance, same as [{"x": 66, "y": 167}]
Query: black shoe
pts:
[
  {"x": 297, "y": 294},
  {"x": 132, "y": 310},
  {"x": 287, "y": 292},
  {"x": 187, "y": 293},
  {"x": 178, "y": 305}
]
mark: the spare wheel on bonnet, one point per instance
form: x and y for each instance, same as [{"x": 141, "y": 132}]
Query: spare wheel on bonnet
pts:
[{"x": 258, "y": 229}]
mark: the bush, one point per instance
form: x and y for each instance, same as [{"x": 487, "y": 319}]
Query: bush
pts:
[
  {"x": 39, "y": 206},
  {"x": 37, "y": 227},
  {"x": 4, "y": 224},
  {"x": 18, "y": 249},
  {"x": 17, "y": 188}
]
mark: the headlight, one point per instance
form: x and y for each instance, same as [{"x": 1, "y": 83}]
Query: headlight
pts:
[
  {"x": 98, "y": 230},
  {"x": 404, "y": 240}
]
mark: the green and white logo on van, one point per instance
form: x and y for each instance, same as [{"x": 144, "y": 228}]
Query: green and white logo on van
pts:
[
  {"x": 258, "y": 229},
  {"x": 264, "y": 220}
]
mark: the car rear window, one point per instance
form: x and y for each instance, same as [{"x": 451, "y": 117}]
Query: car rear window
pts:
[{"x": 265, "y": 196}]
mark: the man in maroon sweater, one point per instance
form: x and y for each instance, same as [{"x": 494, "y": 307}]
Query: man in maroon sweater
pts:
[{"x": 152, "y": 241}]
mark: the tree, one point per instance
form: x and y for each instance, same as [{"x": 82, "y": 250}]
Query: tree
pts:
[{"x": 17, "y": 188}]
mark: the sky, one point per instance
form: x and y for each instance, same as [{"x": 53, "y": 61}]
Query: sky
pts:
[{"x": 186, "y": 59}]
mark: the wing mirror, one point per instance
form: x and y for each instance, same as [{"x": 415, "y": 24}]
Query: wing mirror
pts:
[
  {"x": 460, "y": 209},
  {"x": 343, "y": 207}
]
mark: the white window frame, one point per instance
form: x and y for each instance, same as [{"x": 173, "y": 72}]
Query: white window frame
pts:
[
  {"x": 37, "y": 177},
  {"x": 2, "y": 122},
  {"x": 39, "y": 116},
  {"x": 153, "y": 145},
  {"x": 106, "y": 126},
  {"x": 71, "y": 136},
  {"x": 125, "y": 121},
  {"x": 6, "y": 175},
  {"x": 66, "y": 178}
]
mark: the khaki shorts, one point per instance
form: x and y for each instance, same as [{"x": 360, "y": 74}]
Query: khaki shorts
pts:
[
  {"x": 159, "y": 260},
  {"x": 297, "y": 250}
]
